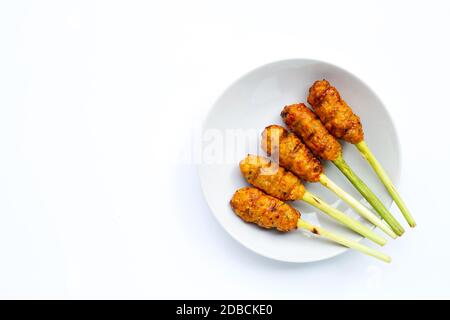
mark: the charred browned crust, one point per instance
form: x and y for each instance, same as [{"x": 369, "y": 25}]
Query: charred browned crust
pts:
[
  {"x": 271, "y": 178},
  {"x": 304, "y": 123},
  {"x": 290, "y": 152},
  {"x": 334, "y": 112},
  {"x": 254, "y": 206}
]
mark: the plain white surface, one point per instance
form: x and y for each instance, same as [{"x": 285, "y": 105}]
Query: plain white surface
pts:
[
  {"x": 228, "y": 137},
  {"x": 99, "y": 105}
]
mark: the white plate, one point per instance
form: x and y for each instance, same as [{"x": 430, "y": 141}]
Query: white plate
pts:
[{"x": 232, "y": 129}]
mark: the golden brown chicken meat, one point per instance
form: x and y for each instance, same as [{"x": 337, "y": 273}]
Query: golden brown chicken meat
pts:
[
  {"x": 334, "y": 112},
  {"x": 292, "y": 154},
  {"x": 253, "y": 205},
  {"x": 271, "y": 178},
  {"x": 304, "y": 123}
]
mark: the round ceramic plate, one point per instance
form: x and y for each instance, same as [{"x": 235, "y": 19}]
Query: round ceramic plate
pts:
[{"x": 233, "y": 127}]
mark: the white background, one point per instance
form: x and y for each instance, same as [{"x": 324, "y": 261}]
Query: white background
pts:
[{"x": 100, "y": 102}]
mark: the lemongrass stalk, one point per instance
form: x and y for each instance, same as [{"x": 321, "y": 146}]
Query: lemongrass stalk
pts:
[
  {"x": 302, "y": 224},
  {"x": 362, "y": 210},
  {"x": 368, "y": 155},
  {"x": 342, "y": 218},
  {"x": 368, "y": 195}
]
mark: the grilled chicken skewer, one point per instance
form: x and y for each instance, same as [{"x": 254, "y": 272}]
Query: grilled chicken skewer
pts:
[
  {"x": 305, "y": 124},
  {"x": 341, "y": 122},
  {"x": 284, "y": 185},
  {"x": 254, "y": 206}
]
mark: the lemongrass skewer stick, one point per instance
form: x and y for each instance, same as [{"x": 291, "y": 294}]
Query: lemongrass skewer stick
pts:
[
  {"x": 368, "y": 195},
  {"x": 302, "y": 224},
  {"x": 368, "y": 155},
  {"x": 342, "y": 218},
  {"x": 362, "y": 210}
]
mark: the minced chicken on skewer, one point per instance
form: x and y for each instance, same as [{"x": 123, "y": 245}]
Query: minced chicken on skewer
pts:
[
  {"x": 341, "y": 122},
  {"x": 304, "y": 123},
  {"x": 284, "y": 185},
  {"x": 254, "y": 206}
]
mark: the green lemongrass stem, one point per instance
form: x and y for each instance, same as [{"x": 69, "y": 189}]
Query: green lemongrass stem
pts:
[
  {"x": 302, "y": 224},
  {"x": 368, "y": 195},
  {"x": 362, "y": 210},
  {"x": 368, "y": 155},
  {"x": 343, "y": 218}
]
